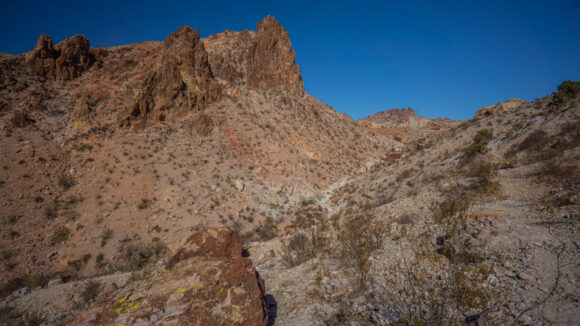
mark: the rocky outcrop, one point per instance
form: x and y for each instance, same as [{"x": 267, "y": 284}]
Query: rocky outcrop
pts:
[
  {"x": 405, "y": 125},
  {"x": 228, "y": 54},
  {"x": 271, "y": 60},
  {"x": 181, "y": 81},
  {"x": 500, "y": 107},
  {"x": 65, "y": 61}
]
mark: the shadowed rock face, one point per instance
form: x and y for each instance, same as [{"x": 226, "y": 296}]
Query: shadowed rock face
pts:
[
  {"x": 182, "y": 79},
  {"x": 65, "y": 61},
  {"x": 208, "y": 283},
  {"x": 271, "y": 59}
]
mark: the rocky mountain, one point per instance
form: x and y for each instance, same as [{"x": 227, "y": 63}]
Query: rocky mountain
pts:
[
  {"x": 405, "y": 125},
  {"x": 194, "y": 181},
  {"x": 112, "y": 157}
]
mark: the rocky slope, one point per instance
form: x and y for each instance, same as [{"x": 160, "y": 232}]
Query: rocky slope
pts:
[
  {"x": 112, "y": 157},
  {"x": 102, "y": 147},
  {"x": 478, "y": 226}
]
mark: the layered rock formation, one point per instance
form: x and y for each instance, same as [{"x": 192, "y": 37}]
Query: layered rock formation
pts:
[
  {"x": 271, "y": 60},
  {"x": 405, "y": 124},
  {"x": 182, "y": 79},
  {"x": 500, "y": 107},
  {"x": 65, "y": 61}
]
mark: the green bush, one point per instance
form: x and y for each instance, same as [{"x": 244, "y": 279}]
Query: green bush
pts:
[
  {"x": 567, "y": 90},
  {"x": 480, "y": 141}
]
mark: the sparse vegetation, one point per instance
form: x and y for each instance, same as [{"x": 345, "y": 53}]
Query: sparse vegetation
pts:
[
  {"x": 567, "y": 90},
  {"x": 60, "y": 234},
  {"x": 66, "y": 181},
  {"x": 480, "y": 142},
  {"x": 137, "y": 257},
  {"x": 91, "y": 291}
]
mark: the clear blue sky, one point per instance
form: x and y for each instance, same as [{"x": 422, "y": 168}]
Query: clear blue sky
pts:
[{"x": 442, "y": 58}]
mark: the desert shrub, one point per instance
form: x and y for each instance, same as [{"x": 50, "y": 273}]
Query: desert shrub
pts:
[
  {"x": 36, "y": 280},
  {"x": 60, "y": 234},
  {"x": 91, "y": 290},
  {"x": 570, "y": 134},
  {"x": 266, "y": 231},
  {"x": 51, "y": 211},
  {"x": 483, "y": 172},
  {"x": 144, "y": 203},
  {"x": 357, "y": 238},
  {"x": 106, "y": 236},
  {"x": 560, "y": 173},
  {"x": 480, "y": 142},
  {"x": 567, "y": 91},
  {"x": 406, "y": 174},
  {"x": 534, "y": 141},
  {"x": 11, "y": 285},
  {"x": 138, "y": 256},
  {"x": 302, "y": 247},
  {"x": 66, "y": 181}
]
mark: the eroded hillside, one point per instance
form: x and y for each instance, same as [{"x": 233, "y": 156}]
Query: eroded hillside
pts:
[{"x": 120, "y": 165}]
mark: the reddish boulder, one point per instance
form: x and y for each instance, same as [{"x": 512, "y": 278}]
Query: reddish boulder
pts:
[
  {"x": 209, "y": 283},
  {"x": 271, "y": 60}
]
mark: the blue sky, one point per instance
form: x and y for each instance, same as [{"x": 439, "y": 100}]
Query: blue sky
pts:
[{"x": 443, "y": 58}]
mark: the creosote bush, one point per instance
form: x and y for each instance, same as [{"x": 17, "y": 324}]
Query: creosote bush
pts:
[
  {"x": 567, "y": 91},
  {"x": 480, "y": 141},
  {"x": 66, "y": 181},
  {"x": 138, "y": 256},
  {"x": 60, "y": 234}
]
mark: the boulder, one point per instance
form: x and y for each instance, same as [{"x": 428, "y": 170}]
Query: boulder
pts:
[{"x": 207, "y": 282}]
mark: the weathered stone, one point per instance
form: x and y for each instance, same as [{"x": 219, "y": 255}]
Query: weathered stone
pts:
[
  {"x": 65, "y": 61},
  {"x": 271, "y": 60},
  {"x": 181, "y": 81},
  {"x": 208, "y": 283}
]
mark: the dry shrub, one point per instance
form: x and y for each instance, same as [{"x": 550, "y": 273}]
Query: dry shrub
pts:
[
  {"x": 60, "y": 234},
  {"x": 139, "y": 256},
  {"x": 66, "y": 181},
  {"x": 302, "y": 247},
  {"x": 91, "y": 290}
]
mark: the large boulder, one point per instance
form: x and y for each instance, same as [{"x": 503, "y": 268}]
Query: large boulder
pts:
[{"x": 207, "y": 282}]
